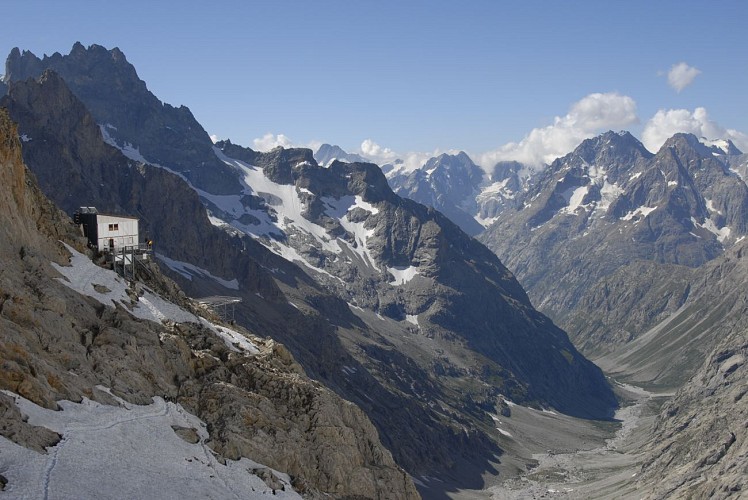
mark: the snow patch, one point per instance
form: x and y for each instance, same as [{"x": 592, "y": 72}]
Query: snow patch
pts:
[
  {"x": 340, "y": 209},
  {"x": 233, "y": 339},
  {"x": 485, "y": 222},
  {"x": 710, "y": 206},
  {"x": 402, "y": 274},
  {"x": 721, "y": 144},
  {"x": 412, "y": 319},
  {"x": 574, "y": 198},
  {"x": 129, "y": 451},
  {"x": 189, "y": 271},
  {"x": 608, "y": 193},
  {"x": 721, "y": 233},
  {"x": 641, "y": 211},
  {"x": 82, "y": 275}
]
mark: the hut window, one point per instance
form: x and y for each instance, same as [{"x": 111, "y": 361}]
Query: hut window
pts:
[{"x": 114, "y": 227}]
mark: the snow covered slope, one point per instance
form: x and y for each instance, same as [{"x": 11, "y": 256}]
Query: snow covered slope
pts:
[{"x": 108, "y": 451}]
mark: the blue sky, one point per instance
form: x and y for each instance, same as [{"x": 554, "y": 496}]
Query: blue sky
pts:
[{"x": 495, "y": 78}]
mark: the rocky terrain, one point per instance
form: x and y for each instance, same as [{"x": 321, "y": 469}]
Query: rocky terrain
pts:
[
  {"x": 699, "y": 446},
  {"x": 380, "y": 299},
  {"x": 60, "y": 344}
]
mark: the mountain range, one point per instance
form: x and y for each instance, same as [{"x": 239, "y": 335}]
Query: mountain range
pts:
[
  {"x": 391, "y": 335},
  {"x": 382, "y": 300}
]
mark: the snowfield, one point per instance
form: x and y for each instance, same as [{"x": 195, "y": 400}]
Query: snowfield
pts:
[
  {"x": 110, "y": 289},
  {"x": 126, "y": 451}
]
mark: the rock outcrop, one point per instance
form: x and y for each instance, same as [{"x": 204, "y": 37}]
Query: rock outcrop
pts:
[
  {"x": 699, "y": 445},
  {"x": 113, "y": 93}
]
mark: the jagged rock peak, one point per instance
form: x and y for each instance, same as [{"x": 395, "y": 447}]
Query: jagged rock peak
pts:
[
  {"x": 686, "y": 143},
  {"x": 610, "y": 144}
]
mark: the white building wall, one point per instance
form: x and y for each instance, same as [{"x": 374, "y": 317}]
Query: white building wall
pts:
[{"x": 119, "y": 231}]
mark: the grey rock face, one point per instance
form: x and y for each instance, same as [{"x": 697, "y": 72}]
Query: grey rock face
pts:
[
  {"x": 699, "y": 444},
  {"x": 112, "y": 92}
]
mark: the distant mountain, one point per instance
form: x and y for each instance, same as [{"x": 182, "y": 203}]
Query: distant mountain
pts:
[
  {"x": 381, "y": 299},
  {"x": 461, "y": 190},
  {"x": 449, "y": 183},
  {"x": 608, "y": 205},
  {"x": 327, "y": 153}
]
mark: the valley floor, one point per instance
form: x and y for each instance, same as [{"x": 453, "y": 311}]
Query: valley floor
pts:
[{"x": 572, "y": 458}]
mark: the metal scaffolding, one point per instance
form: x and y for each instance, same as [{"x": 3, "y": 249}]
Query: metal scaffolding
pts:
[
  {"x": 125, "y": 259},
  {"x": 222, "y": 305}
]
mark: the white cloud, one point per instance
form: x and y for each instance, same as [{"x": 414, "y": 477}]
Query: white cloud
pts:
[
  {"x": 377, "y": 153},
  {"x": 270, "y": 141},
  {"x": 586, "y": 118},
  {"x": 214, "y": 138},
  {"x": 667, "y": 122},
  {"x": 412, "y": 160},
  {"x": 681, "y": 75}
]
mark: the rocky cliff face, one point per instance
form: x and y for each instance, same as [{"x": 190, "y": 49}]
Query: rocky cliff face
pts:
[
  {"x": 699, "y": 444},
  {"x": 59, "y": 344},
  {"x": 115, "y": 96},
  {"x": 607, "y": 205}
]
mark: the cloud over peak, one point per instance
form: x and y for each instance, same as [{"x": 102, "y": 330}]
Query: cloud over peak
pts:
[
  {"x": 667, "y": 122},
  {"x": 587, "y": 117},
  {"x": 270, "y": 141},
  {"x": 681, "y": 75}
]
